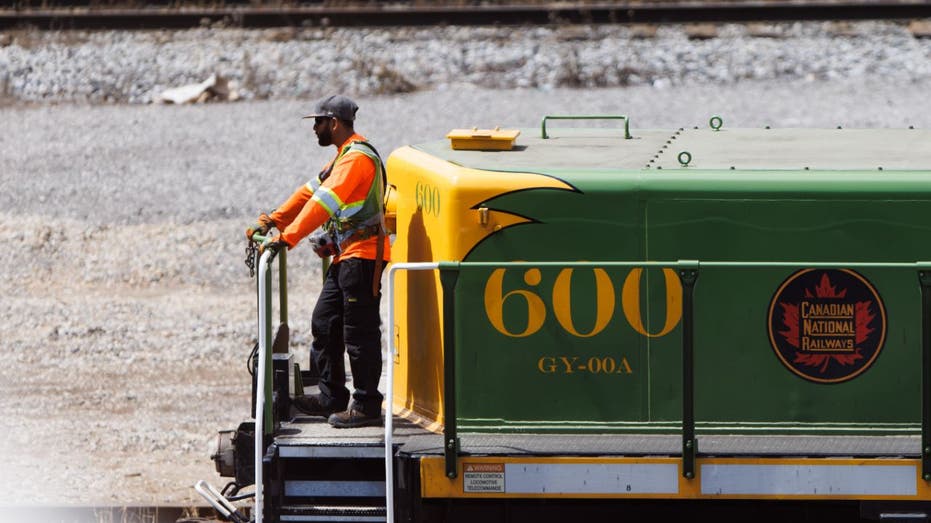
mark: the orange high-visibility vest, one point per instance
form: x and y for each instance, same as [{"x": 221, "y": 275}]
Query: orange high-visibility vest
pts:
[{"x": 347, "y": 198}]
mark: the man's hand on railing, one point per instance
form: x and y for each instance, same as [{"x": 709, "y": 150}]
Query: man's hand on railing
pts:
[
  {"x": 261, "y": 226},
  {"x": 274, "y": 244}
]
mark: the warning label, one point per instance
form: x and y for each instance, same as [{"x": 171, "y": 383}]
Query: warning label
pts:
[{"x": 483, "y": 477}]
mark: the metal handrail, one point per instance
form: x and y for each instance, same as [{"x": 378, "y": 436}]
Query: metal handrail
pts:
[
  {"x": 263, "y": 386},
  {"x": 683, "y": 263},
  {"x": 264, "y": 282},
  {"x": 282, "y": 276},
  {"x": 544, "y": 135},
  {"x": 389, "y": 392}
]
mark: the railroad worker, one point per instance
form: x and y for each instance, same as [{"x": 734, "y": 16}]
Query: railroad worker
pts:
[{"x": 346, "y": 199}]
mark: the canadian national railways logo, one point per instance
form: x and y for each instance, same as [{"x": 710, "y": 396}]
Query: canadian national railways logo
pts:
[{"x": 827, "y": 326}]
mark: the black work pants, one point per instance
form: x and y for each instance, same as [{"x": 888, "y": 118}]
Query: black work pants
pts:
[{"x": 346, "y": 318}]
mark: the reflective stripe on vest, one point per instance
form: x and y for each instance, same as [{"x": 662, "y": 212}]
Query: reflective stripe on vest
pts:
[{"x": 313, "y": 185}]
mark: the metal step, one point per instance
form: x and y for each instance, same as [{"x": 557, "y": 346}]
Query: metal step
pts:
[
  {"x": 357, "y": 489},
  {"x": 903, "y": 516},
  {"x": 333, "y": 513},
  {"x": 332, "y": 451}
]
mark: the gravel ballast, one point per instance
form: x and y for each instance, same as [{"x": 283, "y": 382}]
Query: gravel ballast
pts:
[
  {"x": 127, "y": 311},
  {"x": 136, "y": 67}
]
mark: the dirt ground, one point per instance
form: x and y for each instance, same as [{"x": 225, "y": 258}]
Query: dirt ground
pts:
[
  {"x": 112, "y": 389},
  {"x": 98, "y": 433}
]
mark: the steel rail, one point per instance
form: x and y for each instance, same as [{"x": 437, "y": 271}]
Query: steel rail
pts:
[
  {"x": 499, "y": 14},
  {"x": 30, "y": 512}
]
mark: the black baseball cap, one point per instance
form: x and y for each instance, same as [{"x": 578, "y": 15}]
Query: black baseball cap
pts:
[{"x": 336, "y": 106}]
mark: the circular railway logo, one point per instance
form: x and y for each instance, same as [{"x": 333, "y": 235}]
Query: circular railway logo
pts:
[{"x": 827, "y": 326}]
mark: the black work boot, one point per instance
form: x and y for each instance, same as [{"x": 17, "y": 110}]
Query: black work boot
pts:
[
  {"x": 352, "y": 418},
  {"x": 311, "y": 404}
]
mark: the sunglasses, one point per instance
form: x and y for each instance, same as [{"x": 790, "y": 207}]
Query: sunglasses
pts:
[{"x": 321, "y": 119}]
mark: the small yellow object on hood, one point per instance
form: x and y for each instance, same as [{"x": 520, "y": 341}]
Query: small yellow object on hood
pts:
[{"x": 476, "y": 139}]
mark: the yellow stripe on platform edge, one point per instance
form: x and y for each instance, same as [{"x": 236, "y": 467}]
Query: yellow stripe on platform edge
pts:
[{"x": 717, "y": 478}]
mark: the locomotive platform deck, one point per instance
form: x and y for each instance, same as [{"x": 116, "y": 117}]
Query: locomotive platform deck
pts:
[{"x": 313, "y": 432}]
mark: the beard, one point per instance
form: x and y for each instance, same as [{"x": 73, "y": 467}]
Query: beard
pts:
[{"x": 325, "y": 137}]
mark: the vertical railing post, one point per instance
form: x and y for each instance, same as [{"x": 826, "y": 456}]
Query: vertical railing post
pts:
[
  {"x": 267, "y": 427},
  {"x": 283, "y": 285},
  {"x": 924, "y": 279},
  {"x": 263, "y": 377},
  {"x": 688, "y": 274},
  {"x": 449, "y": 274},
  {"x": 389, "y": 386}
]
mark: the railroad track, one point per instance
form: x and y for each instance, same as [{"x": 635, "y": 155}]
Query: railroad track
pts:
[
  {"x": 168, "y": 15},
  {"x": 99, "y": 514}
]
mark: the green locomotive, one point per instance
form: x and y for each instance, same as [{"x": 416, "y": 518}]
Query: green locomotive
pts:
[{"x": 608, "y": 321}]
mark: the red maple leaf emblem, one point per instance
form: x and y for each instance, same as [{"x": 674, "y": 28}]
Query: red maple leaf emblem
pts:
[
  {"x": 863, "y": 319},
  {"x": 790, "y": 318},
  {"x": 825, "y": 290},
  {"x": 822, "y": 360}
]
